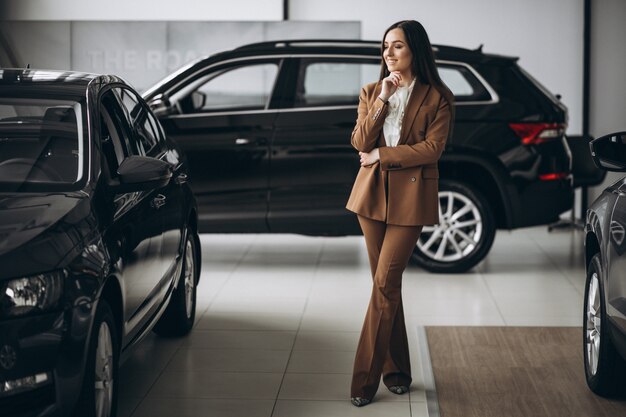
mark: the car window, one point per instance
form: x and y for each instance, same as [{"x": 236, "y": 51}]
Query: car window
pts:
[
  {"x": 145, "y": 131},
  {"x": 41, "y": 142},
  {"x": 114, "y": 131},
  {"x": 241, "y": 88},
  {"x": 463, "y": 83},
  {"x": 333, "y": 83}
]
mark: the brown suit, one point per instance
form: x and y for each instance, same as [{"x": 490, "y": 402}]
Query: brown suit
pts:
[
  {"x": 410, "y": 167},
  {"x": 393, "y": 198}
]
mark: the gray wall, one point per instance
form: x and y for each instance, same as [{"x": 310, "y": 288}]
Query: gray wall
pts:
[{"x": 143, "y": 52}]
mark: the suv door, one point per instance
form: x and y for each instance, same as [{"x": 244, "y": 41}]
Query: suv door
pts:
[
  {"x": 224, "y": 125},
  {"x": 616, "y": 274},
  {"x": 313, "y": 163},
  {"x": 136, "y": 227},
  {"x": 169, "y": 200}
]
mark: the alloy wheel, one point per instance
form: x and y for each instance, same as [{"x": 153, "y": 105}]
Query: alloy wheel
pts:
[
  {"x": 189, "y": 270},
  {"x": 459, "y": 230},
  {"x": 104, "y": 372},
  {"x": 593, "y": 324}
]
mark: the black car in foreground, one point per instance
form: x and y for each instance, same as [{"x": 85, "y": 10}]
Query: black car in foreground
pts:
[
  {"x": 98, "y": 239},
  {"x": 267, "y": 127},
  {"x": 604, "y": 323}
]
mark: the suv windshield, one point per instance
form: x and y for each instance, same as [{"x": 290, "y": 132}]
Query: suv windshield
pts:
[{"x": 41, "y": 144}]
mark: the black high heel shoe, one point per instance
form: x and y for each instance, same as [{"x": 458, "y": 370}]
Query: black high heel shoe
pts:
[
  {"x": 359, "y": 401},
  {"x": 399, "y": 389}
]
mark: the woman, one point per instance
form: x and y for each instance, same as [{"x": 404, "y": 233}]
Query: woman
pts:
[{"x": 403, "y": 123}]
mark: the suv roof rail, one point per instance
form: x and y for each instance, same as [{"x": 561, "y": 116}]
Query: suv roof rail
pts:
[
  {"x": 310, "y": 42},
  {"x": 317, "y": 42}
]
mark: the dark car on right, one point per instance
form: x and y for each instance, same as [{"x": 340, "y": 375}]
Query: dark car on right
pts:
[
  {"x": 266, "y": 128},
  {"x": 604, "y": 322}
]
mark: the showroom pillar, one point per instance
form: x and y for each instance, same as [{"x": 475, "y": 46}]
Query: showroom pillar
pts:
[{"x": 584, "y": 192}]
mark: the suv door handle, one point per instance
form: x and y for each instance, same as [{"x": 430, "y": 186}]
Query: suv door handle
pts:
[
  {"x": 242, "y": 141},
  {"x": 158, "y": 201}
]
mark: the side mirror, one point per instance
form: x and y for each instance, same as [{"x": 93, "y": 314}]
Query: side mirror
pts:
[
  {"x": 160, "y": 104},
  {"x": 140, "y": 173},
  {"x": 198, "y": 100},
  {"x": 609, "y": 152}
]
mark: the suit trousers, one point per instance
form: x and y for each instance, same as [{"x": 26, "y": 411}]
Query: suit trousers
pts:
[{"x": 383, "y": 346}]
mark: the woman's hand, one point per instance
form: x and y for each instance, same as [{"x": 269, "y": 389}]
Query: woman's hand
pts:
[
  {"x": 390, "y": 85},
  {"x": 369, "y": 158}
]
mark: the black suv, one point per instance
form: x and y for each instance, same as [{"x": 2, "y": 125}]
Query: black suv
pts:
[{"x": 267, "y": 126}]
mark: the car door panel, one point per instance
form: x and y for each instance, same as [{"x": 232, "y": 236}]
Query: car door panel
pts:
[
  {"x": 229, "y": 167},
  {"x": 312, "y": 172},
  {"x": 313, "y": 163},
  {"x": 616, "y": 277},
  {"x": 137, "y": 227}
]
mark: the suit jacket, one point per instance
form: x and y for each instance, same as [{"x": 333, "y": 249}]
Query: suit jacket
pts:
[{"x": 402, "y": 188}]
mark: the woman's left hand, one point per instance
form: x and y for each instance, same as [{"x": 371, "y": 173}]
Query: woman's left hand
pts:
[{"x": 369, "y": 158}]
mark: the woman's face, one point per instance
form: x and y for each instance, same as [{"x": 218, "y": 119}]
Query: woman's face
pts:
[{"x": 396, "y": 51}]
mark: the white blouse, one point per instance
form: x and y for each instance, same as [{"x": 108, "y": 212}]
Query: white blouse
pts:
[{"x": 393, "y": 122}]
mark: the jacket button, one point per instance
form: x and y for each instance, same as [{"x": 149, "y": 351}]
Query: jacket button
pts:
[{"x": 412, "y": 179}]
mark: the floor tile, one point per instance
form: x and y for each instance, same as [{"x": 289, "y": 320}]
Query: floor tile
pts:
[
  {"x": 229, "y": 360},
  {"x": 249, "y": 320},
  {"x": 325, "y": 387},
  {"x": 201, "y": 384},
  {"x": 127, "y": 405},
  {"x": 193, "y": 407},
  {"x": 419, "y": 409},
  {"x": 321, "y": 362},
  {"x": 291, "y": 408},
  {"x": 240, "y": 339},
  {"x": 326, "y": 340}
]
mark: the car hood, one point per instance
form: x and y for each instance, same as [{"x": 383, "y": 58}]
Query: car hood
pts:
[{"x": 38, "y": 230}]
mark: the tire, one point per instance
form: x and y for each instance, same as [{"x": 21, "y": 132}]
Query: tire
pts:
[
  {"x": 603, "y": 364},
  {"x": 464, "y": 236},
  {"x": 98, "y": 397},
  {"x": 180, "y": 314}
]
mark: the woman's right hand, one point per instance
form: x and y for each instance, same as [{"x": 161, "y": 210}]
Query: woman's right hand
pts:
[{"x": 390, "y": 85}]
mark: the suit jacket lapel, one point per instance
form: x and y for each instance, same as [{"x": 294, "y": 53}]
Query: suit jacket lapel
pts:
[{"x": 419, "y": 93}]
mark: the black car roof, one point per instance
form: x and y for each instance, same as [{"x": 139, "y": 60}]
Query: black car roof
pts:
[
  {"x": 68, "y": 82},
  {"x": 353, "y": 46}
]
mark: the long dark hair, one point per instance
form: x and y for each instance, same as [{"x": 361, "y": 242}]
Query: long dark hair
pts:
[{"x": 423, "y": 65}]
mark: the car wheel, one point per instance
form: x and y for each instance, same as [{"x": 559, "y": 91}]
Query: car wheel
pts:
[
  {"x": 464, "y": 235},
  {"x": 180, "y": 314},
  {"x": 602, "y": 361},
  {"x": 99, "y": 393}
]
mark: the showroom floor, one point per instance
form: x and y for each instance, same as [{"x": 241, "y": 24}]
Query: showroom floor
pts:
[{"x": 279, "y": 316}]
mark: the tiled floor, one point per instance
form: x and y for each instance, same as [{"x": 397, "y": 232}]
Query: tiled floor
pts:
[{"x": 279, "y": 317}]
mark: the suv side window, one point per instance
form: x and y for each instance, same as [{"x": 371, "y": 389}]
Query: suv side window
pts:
[
  {"x": 147, "y": 136},
  {"x": 246, "y": 87},
  {"x": 463, "y": 83},
  {"x": 333, "y": 82}
]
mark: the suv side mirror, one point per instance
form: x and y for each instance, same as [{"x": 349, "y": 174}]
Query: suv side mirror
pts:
[
  {"x": 198, "y": 100},
  {"x": 160, "y": 104},
  {"x": 141, "y": 173},
  {"x": 609, "y": 152}
]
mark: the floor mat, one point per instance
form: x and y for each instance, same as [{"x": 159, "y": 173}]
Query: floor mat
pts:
[{"x": 513, "y": 371}]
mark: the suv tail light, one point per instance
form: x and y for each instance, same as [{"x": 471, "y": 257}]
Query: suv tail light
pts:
[
  {"x": 536, "y": 133},
  {"x": 554, "y": 176}
]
